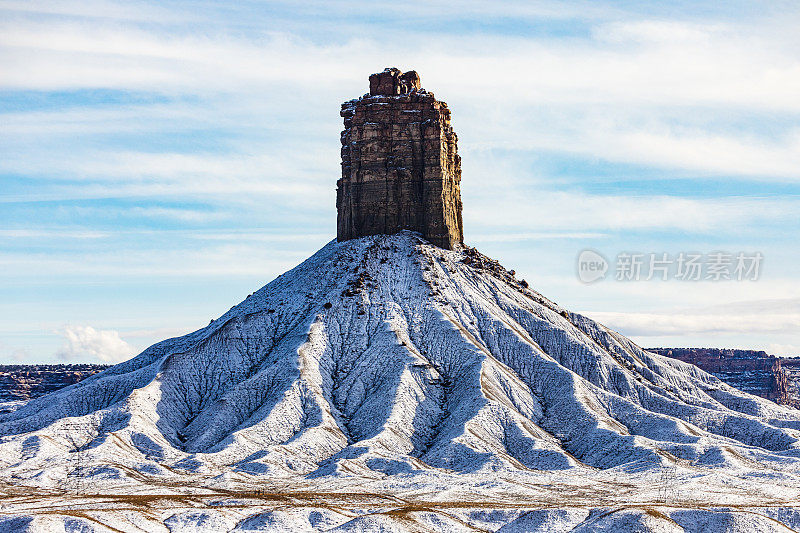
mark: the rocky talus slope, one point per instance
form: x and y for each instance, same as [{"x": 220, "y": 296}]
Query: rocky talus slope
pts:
[{"x": 431, "y": 388}]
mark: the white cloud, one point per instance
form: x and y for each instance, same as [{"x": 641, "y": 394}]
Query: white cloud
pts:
[
  {"x": 511, "y": 209},
  {"x": 747, "y": 315},
  {"x": 158, "y": 333},
  {"x": 51, "y": 233},
  {"x": 225, "y": 259},
  {"x": 765, "y": 296},
  {"x": 687, "y": 324},
  {"x": 658, "y": 31},
  {"x": 131, "y": 10},
  {"x": 629, "y": 93},
  {"x": 615, "y": 101},
  {"x": 105, "y": 345},
  {"x": 15, "y": 354},
  {"x": 771, "y": 325},
  {"x": 682, "y": 63},
  {"x": 699, "y": 150},
  {"x": 783, "y": 350},
  {"x": 299, "y": 175},
  {"x": 532, "y": 236}
]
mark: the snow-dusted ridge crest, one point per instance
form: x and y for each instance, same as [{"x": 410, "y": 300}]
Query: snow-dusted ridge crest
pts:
[{"x": 388, "y": 360}]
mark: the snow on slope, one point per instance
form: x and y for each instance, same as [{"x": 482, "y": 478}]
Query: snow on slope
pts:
[{"x": 389, "y": 361}]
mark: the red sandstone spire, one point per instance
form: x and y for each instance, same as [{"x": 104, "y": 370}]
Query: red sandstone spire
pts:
[{"x": 400, "y": 166}]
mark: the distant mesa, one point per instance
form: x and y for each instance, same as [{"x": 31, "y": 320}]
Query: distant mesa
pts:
[
  {"x": 400, "y": 164},
  {"x": 20, "y": 383},
  {"x": 751, "y": 371}
]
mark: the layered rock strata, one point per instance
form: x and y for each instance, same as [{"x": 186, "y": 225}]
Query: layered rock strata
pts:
[
  {"x": 400, "y": 164},
  {"x": 25, "y": 382},
  {"x": 752, "y": 371}
]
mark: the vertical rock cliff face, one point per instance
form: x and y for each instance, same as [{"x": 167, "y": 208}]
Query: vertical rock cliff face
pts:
[
  {"x": 400, "y": 163},
  {"x": 24, "y": 382},
  {"x": 791, "y": 370},
  {"x": 750, "y": 371}
]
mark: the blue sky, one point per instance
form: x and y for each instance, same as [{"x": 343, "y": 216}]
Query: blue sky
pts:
[{"x": 161, "y": 160}]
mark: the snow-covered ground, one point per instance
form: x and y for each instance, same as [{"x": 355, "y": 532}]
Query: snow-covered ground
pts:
[{"x": 386, "y": 384}]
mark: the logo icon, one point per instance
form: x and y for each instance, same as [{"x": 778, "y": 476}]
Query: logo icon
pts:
[{"x": 591, "y": 266}]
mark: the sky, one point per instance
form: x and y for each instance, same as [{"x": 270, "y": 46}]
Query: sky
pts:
[{"x": 159, "y": 161}]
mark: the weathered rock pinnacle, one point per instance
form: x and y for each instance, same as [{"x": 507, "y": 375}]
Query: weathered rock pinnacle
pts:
[{"x": 400, "y": 166}]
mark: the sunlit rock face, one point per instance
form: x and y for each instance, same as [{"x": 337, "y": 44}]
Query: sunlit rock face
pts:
[
  {"x": 751, "y": 371},
  {"x": 25, "y": 382},
  {"x": 400, "y": 163}
]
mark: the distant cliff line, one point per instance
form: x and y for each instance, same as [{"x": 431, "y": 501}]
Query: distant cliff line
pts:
[
  {"x": 26, "y": 382},
  {"x": 753, "y": 371}
]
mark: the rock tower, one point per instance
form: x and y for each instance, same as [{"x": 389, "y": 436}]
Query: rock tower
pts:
[{"x": 400, "y": 163}]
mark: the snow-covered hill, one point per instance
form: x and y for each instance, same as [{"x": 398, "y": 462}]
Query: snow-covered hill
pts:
[{"x": 431, "y": 382}]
